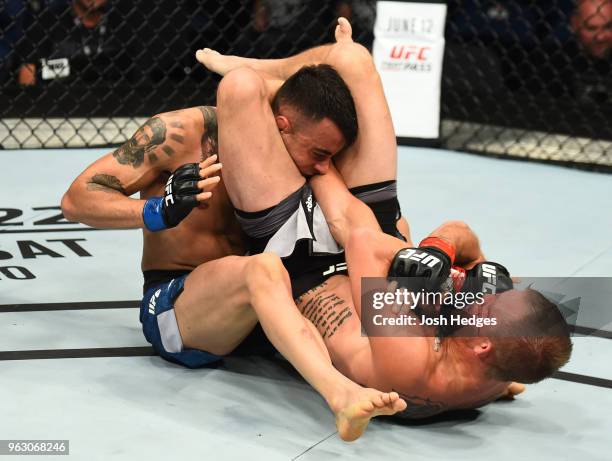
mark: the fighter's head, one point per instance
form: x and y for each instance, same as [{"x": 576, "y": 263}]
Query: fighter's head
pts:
[
  {"x": 528, "y": 343},
  {"x": 316, "y": 116},
  {"x": 592, "y": 24}
]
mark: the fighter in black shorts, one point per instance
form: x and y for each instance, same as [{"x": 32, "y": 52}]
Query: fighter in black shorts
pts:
[{"x": 278, "y": 212}]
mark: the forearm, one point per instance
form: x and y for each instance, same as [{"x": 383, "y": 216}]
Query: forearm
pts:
[
  {"x": 343, "y": 212},
  {"x": 102, "y": 207},
  {"x": 358, "y": 216}
]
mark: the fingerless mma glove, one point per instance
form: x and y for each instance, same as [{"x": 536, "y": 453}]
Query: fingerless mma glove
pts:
[
  {"x": 179, "y": 199},
  {"x": 428, "y": 266},
  {"x": 488, "y": 278}
]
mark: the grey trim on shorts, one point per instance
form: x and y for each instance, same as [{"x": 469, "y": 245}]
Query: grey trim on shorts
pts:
[
  {"x": 169, "y": 332},
  {"x": 378, "y": 195},
  {"x": 270, "y": 223},
  {"x": 296, "y": 228}
]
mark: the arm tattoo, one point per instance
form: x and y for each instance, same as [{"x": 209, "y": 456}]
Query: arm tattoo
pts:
[
  {"x": 145, "y": 141},
  {"x": 209, "y": 138},
  {"x": 105, "y": 183},
  {"x": 420, "y": 407}
]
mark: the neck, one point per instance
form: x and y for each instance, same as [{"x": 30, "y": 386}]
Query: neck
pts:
[{"x": 456, "y": 353}]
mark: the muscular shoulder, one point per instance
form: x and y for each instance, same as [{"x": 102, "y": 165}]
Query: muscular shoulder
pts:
[{"x": 170, "y": 139}]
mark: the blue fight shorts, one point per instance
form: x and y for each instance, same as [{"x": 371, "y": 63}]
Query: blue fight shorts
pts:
[{"x": 161, "y": 330}]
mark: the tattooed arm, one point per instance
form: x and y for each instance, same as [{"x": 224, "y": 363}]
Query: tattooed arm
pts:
[{"x": 100, "y": 195}]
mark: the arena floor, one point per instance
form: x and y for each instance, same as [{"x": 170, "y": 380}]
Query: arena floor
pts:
[{"x": 75, "y": 366}]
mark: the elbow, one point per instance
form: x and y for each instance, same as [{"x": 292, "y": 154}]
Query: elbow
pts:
[
  {"x": 457, "y": 226},
  {"x": 352, "y": 58},
  {"x": 68, "y": 208}
]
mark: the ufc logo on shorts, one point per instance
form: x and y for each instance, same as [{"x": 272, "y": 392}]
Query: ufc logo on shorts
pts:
[
  {"x": 169, "y": 198},
  {"x": 336, "y": 268},
  {"x": 490, "y": 273},
  {"x": 425, "y": 258},
  {"x": 153, "y": 301},
  {"x": 309, "y": 203}
]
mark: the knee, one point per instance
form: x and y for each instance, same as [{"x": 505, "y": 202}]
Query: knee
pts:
[
  {"x": 265, "y": 270},
  {"x": 353, "y": 58},
  {"x": 239, "y": 85}
]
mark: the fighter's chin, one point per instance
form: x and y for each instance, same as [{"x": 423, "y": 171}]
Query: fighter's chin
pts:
[{"x": 308, "y": 172}]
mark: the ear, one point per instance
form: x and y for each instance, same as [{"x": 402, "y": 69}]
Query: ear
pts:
[
  {"x": 282, "y": 123},
  {"x": 482, "y": 347}
]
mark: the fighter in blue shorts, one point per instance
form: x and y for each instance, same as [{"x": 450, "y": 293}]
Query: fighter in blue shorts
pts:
[{"x": 212, "y": 299}]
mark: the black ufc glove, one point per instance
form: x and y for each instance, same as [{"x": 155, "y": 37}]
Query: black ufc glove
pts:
[
  {"x": 428, "y": 266},
  {"x": 179, "y": 199},
  {"x": 488, "y": 278}
]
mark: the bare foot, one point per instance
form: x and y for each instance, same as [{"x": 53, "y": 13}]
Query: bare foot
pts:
[
  {"x": 512, "y": 390},
  {"x": 219, "y": 63},
  {"x": 344, "y": 31},
  {"x": 355, "y": 406}
]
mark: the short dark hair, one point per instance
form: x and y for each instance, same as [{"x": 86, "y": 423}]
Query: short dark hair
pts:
[
  {"x": 319, "y": 92},
  {"x": 534, "y": 347}
]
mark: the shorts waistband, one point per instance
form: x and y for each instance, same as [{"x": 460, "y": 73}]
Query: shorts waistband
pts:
[{"x": 156, "y": 277}]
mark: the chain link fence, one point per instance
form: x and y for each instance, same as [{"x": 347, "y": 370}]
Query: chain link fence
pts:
[
  {"x": 530, "y": 79},
  {"x": 521, "y": 78}
]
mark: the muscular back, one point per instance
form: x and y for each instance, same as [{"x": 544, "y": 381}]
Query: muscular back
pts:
[{"x": 141, "y": 166}]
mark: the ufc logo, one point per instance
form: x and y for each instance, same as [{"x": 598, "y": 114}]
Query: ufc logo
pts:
[
  {"x": 336, "y": 268},
  {"x": 309, "y": 203},
  {"x": 423, "y": 258},
  {"x": 489, "y": 272},
  {"x": 409, "y": 52},
  {"x": 153, "y": 301},
  {"x": 169, "y": 198}
]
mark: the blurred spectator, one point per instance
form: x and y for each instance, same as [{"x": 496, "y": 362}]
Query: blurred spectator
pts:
[
  {"x": 581, "y": 64},
  {"x": 11, "y": 31},
  {"x": 361, "y": 14},
  {"x": 592, "y": 24},
  {"x": 279, "y": 27},
  {"x": 85, "y": 40}
]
